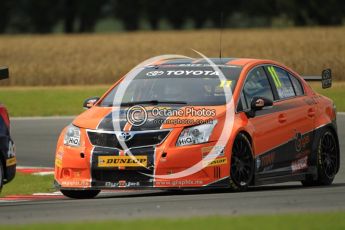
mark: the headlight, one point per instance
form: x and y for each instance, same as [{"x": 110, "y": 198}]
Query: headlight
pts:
[
  {"x": 72, "y": 136},
  {"x": 196, "y": 134}
]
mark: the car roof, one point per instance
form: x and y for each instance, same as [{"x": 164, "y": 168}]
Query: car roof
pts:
[{"x": 241, "y": 62}]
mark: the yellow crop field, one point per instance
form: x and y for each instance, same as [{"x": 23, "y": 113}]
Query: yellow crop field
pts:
[{"x": 90, "y": 59}]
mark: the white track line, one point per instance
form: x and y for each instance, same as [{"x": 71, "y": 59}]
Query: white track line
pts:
[
  {"x": 43, "y": 173},
  {"x": 48, "y": 194},
  {"x": 10, "y": 201},
  {"x": 34, "y": 167}
]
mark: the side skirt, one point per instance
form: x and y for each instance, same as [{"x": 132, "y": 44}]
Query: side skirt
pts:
[{"x": 285, "y": 178}]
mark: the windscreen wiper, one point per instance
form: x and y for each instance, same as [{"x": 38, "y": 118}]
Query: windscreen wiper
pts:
[{"x": 153, "y": 102}]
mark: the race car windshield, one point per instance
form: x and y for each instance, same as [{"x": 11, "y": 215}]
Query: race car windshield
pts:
[{"x": 173, "y": 85}]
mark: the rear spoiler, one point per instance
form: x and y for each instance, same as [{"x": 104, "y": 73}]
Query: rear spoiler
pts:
[
  {"x": 325, "y": 78},
  {"x": 4, "y": 73}
]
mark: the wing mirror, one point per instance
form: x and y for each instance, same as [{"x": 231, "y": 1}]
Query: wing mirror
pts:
[
  {"x": 88, "y": 103},
  {"x": 258, "y": 103},
  {"x": 4, "y": 73}
]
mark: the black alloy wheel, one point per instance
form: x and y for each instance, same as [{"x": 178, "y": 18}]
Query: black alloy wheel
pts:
[
  {"x": 327, "y": 160},
  {"x": 242, "y": 164}
]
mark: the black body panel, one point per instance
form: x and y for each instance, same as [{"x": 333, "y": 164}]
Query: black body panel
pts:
[
  {"x": 113, "y": 177},
  {"x": 5, "y": 140}
]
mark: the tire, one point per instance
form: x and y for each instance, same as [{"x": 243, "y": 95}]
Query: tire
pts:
[
  {"x": 327, "y": 160},
  {"x": 1, "y": 176},
  {"x": 242, "y": 164},
  {"x": 80, "y": 194}
]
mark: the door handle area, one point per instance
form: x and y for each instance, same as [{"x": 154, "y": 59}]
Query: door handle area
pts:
[
  {"x": 311, "y": 112},
  {"x": 282, "y": 118}
]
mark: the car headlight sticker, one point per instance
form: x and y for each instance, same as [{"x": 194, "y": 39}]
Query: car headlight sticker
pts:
[
  {"x": 72, "y": 136},
  {"x": 196, "y": 134}
]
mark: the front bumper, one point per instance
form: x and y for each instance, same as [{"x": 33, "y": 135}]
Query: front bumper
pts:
[
  {"x": 78, "y": 168},
  {"x": 9, "y": 156}
]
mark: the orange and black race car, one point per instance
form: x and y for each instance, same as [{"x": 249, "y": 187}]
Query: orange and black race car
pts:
[
  {"x": 174, "y": 125},
  {"x": 7, "y": 153}
]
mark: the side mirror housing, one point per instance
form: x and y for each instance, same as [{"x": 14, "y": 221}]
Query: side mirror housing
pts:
[
  {"x": 258, "y": 103},
  {"x": 4, "y": 73},
  {"x": 88, "y": 103}
]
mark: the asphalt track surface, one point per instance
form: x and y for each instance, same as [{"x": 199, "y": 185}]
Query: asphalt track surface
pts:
[{"x": 35, "y": 147}]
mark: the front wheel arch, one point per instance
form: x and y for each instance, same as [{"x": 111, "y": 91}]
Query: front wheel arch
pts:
[{"x": 242, "y": 166}]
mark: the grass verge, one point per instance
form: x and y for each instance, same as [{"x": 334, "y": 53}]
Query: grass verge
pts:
[
  {"x": 26, "y": 184},
  {"x": 336, "y": 93},
  {"x": 303, "y": 221},
  {"x": 47, "y": 101}
]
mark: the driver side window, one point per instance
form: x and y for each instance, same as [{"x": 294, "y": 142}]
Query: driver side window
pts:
[{"x": 257, "y": 85}]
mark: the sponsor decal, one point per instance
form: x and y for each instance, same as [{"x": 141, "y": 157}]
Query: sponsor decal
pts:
[
  {"x": 75, "y": 183},
  {"x": 11, "y": 150},
  {"x": 301, "y": 141},
  {"x": 185, "y": 141},
  {"x": 299, "y": 164},
  {"x": 192, "y": 72},
  {"x": 74, "y": 141},
  {"x": 258, "y": 163},
  {"x": 265, "y": 161},
  {"x": 122, "y": 161},
  {"x": 268, "y": 159},
  {"x": 58, "y": 159},
  {"x": 178, "y": 183},
  {"x": 215, "y": 162},
  {"x": 11, "y": 161},
  {"x": 194, "y": 65},
  {"x": 218, "y": 151},
  {"x": 58, "y": 162},
  {"x": 183, "y": 73},
  {"x": 154, "y": 73},
  {"x": 122, "y": 184},
  {"x": 204, "y": 65}
]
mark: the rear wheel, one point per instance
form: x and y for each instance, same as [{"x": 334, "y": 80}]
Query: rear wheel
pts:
[
  {"x": 242, "y": 164},
  {"x": 327, "y": 160},
  {"x": 80, "y": 194}
]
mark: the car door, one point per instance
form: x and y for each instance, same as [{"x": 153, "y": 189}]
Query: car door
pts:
[
  {"x": 297, "y": 111},
  {"x": 270, "y": 128}
]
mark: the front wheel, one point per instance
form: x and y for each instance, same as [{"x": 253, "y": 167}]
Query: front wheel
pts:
[
  {"x": 327, "y": 160},
  {"x": 80, "y": 194},
  {"x": 242, "y": 164}
]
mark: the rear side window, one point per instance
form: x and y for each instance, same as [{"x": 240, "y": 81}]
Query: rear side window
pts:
[
  {"x": 297, "y": 85},
  {"x": 257, "y": 85},
  {"x": 282, "y": 82}
]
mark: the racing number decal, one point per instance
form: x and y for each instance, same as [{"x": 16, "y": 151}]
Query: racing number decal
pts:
[
  {"x": 275, "y": 76},
  {"x": 225, "y": 83}
]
